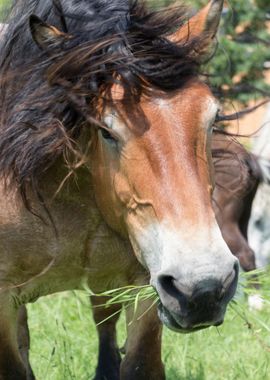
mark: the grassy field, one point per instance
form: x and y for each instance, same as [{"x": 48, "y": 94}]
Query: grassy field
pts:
[
  {"x": 3, "y": 4},
  {"x": 64, "y": 344}
]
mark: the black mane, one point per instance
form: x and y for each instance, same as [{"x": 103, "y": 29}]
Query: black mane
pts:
[{"x": 46, "y": 96}]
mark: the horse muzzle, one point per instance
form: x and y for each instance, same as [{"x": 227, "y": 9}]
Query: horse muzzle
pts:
[{"x": 186, "y": 310}]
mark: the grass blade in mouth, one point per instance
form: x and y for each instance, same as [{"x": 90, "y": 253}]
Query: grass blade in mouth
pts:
[{"x": 253, "y": 282}]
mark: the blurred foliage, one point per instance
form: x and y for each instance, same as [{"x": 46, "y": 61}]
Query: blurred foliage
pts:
[
  {"x": 3, "y": 8},
  {"x": 243, "y": 52},
  {"x": 237, "y": 71}
]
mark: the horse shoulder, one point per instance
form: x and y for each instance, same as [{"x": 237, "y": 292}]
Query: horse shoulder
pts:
[{"x": 41, "y": 260}]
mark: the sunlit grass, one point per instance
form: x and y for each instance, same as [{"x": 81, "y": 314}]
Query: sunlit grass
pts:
[
  {"x": 3, "y": 5},
  {"x": 64, "y": 341}
]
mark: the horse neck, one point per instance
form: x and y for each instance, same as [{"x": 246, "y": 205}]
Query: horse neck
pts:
[
  {"x": 62, "y": 182},
  {"x": 59, "y": 181}
]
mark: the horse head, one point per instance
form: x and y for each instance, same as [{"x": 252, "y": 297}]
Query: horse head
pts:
[{"x": 150, "y": 160}]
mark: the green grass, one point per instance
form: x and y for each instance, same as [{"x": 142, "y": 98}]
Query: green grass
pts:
[
  {"x": 3, "y": 5},
  {"x": 64, "y": 344}
]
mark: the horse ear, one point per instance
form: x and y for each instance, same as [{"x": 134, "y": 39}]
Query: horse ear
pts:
[
  {"x": 46, "y": 36},
  {"x": 204, "y": 22}
]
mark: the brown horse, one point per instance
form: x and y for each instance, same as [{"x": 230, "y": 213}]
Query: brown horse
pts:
[
  {"x": 237, "y": 175},
  {"x": 105, "y": 168}
]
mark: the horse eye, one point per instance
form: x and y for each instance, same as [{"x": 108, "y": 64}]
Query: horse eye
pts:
[{"x": 107, "y": 135}]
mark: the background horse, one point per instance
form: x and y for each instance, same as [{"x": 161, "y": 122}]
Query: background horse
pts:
[
  {"x": 237, "y": 175},
  {"x": 259, "y": 228},
  {"x": 105, "y": 171}
]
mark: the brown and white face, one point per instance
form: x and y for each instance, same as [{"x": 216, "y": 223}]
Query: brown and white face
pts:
[
  {"x": 153, "y": 184},
  {"x": 151, "y": 174},
  {"x": 152, "y": 180}
]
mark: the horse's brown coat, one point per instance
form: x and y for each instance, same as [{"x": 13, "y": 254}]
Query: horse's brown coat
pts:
[
  {"x": 145, "y": 199},
  {"x": 237, "y": 175}
]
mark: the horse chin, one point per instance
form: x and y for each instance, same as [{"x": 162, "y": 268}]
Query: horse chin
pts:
[{"x": 169, "y": 321}]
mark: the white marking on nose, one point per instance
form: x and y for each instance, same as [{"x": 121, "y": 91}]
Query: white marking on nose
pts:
[{"x": 189, "y": 251}]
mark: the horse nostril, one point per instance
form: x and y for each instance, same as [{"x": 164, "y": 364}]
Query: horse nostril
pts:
[
  {"x": 167, "y": 284},
  {"x": 230, "y": 284},
  {"x": 236, "y": 268}
]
